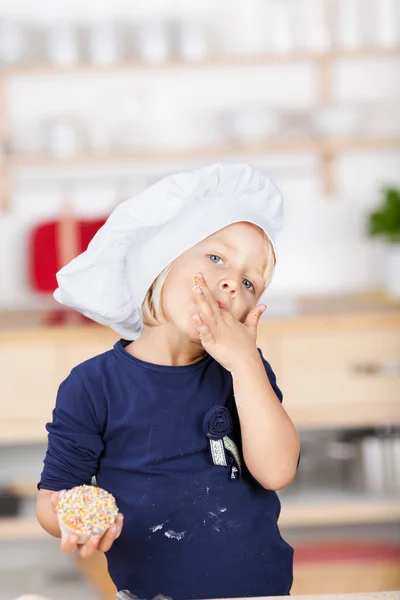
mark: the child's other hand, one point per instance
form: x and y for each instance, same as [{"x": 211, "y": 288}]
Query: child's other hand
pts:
[{"x": 95, "y": 542}]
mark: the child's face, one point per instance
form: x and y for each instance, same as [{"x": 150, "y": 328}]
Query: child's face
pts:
[{"x": 232, "y": 260}]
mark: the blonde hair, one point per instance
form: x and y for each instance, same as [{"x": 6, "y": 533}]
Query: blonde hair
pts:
[{"x": 152, "y": 306}]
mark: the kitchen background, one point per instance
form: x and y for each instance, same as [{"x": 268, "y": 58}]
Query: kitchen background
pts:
[{"x": 97, "y": 101}]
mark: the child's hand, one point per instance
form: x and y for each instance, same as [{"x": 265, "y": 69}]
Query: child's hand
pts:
[
  {"x": 225, "y": 338},
  {"x": 95, "y": 542}
]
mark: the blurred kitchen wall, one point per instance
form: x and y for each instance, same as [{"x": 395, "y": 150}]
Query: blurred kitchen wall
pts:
[{"x": 177, "y": 110}]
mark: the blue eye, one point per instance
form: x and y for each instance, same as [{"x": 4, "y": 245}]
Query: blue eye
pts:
[
  {"x": 249, "y": 288},
  {"x": 211, "y": 256}
]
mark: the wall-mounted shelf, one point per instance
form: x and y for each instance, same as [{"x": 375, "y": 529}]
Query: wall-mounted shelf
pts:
[
  {"x": 227, "y": 151},
  {"x": 231, "y": 60},
  {"x": 327, "y": 149}
]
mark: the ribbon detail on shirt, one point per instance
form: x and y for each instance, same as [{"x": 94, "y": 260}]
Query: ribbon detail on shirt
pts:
[{"x": 217, "y": 426}]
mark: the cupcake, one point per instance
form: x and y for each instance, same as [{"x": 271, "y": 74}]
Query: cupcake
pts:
[{"x": 85, "y": 510}]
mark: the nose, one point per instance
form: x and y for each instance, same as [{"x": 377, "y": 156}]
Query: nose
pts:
[{"x": 230, "y": 286}]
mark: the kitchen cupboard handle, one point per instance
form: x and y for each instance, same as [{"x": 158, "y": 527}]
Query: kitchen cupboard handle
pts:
[{"x": 386, "y": 368}]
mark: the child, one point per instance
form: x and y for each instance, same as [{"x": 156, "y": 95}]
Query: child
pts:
[{"x": 182, "y": 420}]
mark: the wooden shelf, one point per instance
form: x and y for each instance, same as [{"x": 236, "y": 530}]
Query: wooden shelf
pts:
[
  {"x": 230, "y": 60},
  {"x": 23, "y": 432},
  {"x": 23, "y": 489},
  {"x": 321, "y": 146},
  {"x": 352, "y": 510},
  {"x": 304, "y": 513},
  {"x": 20, "y": 528}
]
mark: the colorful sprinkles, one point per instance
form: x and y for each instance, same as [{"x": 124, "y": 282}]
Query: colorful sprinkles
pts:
[{"x": 87, "y": 509}]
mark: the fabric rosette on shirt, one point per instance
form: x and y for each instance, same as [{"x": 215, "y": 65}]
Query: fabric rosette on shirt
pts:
[
  {"x": 217, "y": 423},
  {"x": 218, "y": 426}
]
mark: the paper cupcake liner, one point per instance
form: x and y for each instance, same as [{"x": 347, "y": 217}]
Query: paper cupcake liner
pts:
[{"x": 66, "y": 530}]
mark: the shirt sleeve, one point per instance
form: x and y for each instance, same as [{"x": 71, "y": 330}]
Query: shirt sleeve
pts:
[
  {"x": 272, "y": 377},
  {"x": 75, "y": 440}
]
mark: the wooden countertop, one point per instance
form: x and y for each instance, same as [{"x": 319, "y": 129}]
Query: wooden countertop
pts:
[
  {"x": 289, "y": 310},
  {"x": 339, "y": 304},
  {"x": 390, "y": 595}
]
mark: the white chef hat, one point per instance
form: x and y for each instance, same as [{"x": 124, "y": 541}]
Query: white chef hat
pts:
[{"x": 109, "y": 281}]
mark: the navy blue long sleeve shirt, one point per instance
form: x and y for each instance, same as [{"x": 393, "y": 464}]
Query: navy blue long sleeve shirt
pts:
[{"x": 190, "y": 530}]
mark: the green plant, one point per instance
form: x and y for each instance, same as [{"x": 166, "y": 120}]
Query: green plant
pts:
[{"x": 385, "y": 222}]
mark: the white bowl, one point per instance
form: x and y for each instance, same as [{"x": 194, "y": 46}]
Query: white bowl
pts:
[
  {"x": 252, "y": 124},
  {"x": 337, "y": 120}
]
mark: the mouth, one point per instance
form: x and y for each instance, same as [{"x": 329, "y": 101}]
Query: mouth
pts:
[{"x": 222, "y": 305}]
